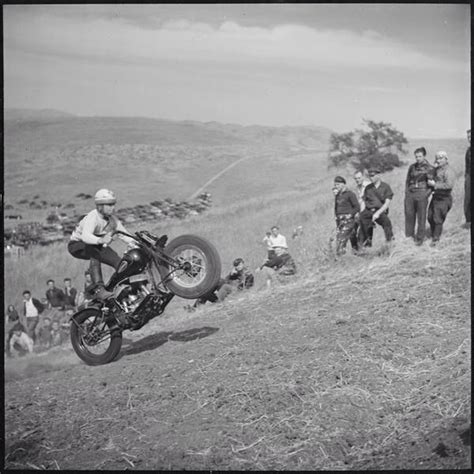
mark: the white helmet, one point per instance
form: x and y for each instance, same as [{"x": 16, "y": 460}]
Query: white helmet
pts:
[{"x": 104, "y": 196}]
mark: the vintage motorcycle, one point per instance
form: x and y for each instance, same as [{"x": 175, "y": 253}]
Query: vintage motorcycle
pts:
[{"x": 148, "y": 277}]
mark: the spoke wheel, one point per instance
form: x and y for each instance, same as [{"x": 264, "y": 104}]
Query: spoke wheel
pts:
[{"x": 92, "y": 339}]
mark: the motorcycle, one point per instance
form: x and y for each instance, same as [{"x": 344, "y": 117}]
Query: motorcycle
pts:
[{"x": 149, "y": 275}]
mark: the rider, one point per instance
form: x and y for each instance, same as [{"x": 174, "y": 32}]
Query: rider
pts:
[{"x": 91, "y": 237}]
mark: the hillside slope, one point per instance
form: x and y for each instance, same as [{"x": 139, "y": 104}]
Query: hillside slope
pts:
[{"x": 365, "y": 364}]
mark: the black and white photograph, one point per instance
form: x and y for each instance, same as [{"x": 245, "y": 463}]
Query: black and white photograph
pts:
[{"x": 237, "y": 236}]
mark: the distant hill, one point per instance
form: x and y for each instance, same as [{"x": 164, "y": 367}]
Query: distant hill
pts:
[
  {"x": 34, "y": 114},
  {"x": 56, "y": 156}
]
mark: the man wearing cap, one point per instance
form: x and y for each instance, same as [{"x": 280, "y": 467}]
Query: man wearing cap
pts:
[
  {"x": 467, "y": 184},
  {"x": 346, "y": 208},
  {"x": 377, "y": 197},
  {"x": 442, "y": 199},
  {"x": 417, "y": 193}
]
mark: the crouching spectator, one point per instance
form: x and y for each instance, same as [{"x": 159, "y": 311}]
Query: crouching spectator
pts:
[
  {"x": 239, "y": 278},
  {"x": 19, "y": 341},
  {"x": 282, "y": 264},
  {"x": 44, "y": 333},
  {"x": 57, "y": 334}
]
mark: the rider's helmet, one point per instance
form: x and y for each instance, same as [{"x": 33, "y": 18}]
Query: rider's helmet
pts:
[{"x": 104, "y": 196}]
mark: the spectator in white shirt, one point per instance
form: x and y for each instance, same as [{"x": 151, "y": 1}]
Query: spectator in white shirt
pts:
[
  {"x": 20, "y": 341},
  {"x": 361, "y": 184},
  {"x": 32, "y": 308},
  {"x": 276, "y": 239}
]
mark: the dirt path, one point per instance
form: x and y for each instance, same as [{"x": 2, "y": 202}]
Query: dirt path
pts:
[{"x": 361, "y": 367}]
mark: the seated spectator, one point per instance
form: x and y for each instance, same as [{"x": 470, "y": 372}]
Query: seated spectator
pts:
[
  {"x": 19, "y": 341},
  {"x": 266, "y": 240},
  {"x": 239, "y": 278},
  {"x": 88, "y": 293},
  {"x": 44, "y": 333},
  {"x": 282, "y": 264},
  {"x": 12, "y": 314},
  {"x": 57, "y": 334}
]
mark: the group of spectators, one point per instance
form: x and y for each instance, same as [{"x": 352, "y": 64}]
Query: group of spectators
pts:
[
  {"x": 278, "y": 263},
  {"x": 43, "y": 323},
  {"x": 428, "y": 197}
]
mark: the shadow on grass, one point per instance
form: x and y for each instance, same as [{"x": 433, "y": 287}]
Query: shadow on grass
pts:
[{"x": 153, "y": 341}]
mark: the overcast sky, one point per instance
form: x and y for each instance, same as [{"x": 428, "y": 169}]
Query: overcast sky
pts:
[{"x": 278, "y": 64}]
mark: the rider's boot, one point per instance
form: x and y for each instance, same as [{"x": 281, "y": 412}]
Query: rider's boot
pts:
[{"x": 96, "y": 275}]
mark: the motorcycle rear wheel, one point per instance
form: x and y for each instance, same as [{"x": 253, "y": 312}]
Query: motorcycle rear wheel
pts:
[
  {"x": 203, "y": 262},
  {"x": 82, "y": 333}
]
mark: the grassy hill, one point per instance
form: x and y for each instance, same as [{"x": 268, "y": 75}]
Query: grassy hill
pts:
[{"x": 360, "y": 363}]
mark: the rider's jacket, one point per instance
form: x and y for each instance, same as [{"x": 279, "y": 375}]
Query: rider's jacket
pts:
[{"x": 94, "y": 225}]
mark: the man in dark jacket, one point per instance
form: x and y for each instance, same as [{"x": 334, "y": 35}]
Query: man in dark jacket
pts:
[
  {"x": 377, "y": 198},
  {"x": 417, "y": 193},
  {"x": 346, "y": 208},
  {"x": 467, "y": 184},
  {"x": 55, "y": 296}
]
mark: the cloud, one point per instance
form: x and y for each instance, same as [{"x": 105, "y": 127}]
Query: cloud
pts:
[{"x": 181, "y": 40}]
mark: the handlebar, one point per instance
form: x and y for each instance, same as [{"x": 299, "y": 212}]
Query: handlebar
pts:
[{"x": 140, "y": 236}]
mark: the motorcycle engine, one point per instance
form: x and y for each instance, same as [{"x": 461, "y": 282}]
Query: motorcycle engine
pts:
[{"x": 130, "y": 295}]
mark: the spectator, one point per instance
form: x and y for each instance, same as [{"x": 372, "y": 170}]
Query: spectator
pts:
[
  {"x": 56, "y": 300},
  {"x": 70, "y": 294},
  {"x": 266, "y": 240},
  {"x": 12, "y": 314},
  {"x": 44, "y": 333},
  {"x": 377, "y": 198},
  {"x": 20, "y": 341},
  {"x": 32, "y": 308},
  {"x": 442, "y": 199},
  {"x": 240, "y": 278},
  {"x": 467, "y": 184},
  {"x": 346, "y": 208},
  {"x": 57, "y": 336},
  {"x": 417, "y": 193},
  {"x": 361, "y": 183},
  {"x": 282, "y": 264},
  {"x": 277, "y": 240}
]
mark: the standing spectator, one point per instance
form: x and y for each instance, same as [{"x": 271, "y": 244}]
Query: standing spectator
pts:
[
  {"x": 20, "y": 341},
  {"x": 56, "y": 299},
  {"x": 32, "y": 308},
  {"x": 346, "y": 208},
  {"x": 361, "y": 183},
  {"x": 442, "y": 199},
  {"x": 467, "y": 184},
  {"x": 417, "y": 193},
  {"x": 377, "y": 197},
  {"x": 70, "y": 294}
]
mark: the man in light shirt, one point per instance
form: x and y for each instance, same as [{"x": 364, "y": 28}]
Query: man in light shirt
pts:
[
  {"x": 32, "y": 308},
  {"x": 277, "y": 240},
  {"x": 91, "y": 237},
  {"x": 19, "y": 339},
  {"x": 361, "y": 183}
]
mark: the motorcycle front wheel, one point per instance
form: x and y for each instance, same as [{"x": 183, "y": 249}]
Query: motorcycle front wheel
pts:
[
  {"x": 200, "y": 266},
  {"x": 92, "y": 339}
]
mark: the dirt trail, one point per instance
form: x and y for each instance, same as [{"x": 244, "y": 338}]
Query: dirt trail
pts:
[{"x": 360, "y": 367}]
